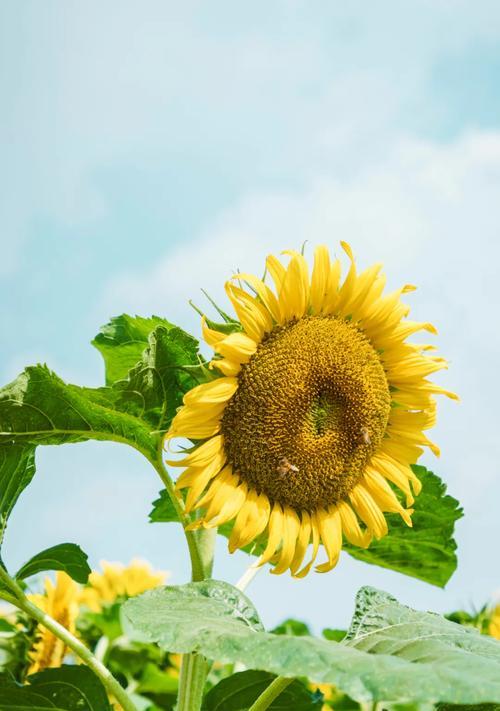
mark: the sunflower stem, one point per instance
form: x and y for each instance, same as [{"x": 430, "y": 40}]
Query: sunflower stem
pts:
[
  {"x": 271, "y": 693},
  {"x": 194, "y": 667},
  {"x": 194, "y": 670},
  {"x": 201, "y": 545},
  {"x": 199, "y": 560},
  {"x": 17, "y": 597}
]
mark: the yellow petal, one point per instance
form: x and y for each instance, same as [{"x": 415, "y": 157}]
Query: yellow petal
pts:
[
  {"x": 217, "y": 486},
  {"x": 227, "y": 367},
  {"x": 315, "y": 547},
  {"x": 201, "y": 455},
  {"x": 227, "y": 504},
  {"x": 368, "y": 511},
  {"x": 196, "y": 425},
  {"x": 361, "y": 289},
  {"x": 250, "y": 521},
  {"x": 347, "y": 287},
  {"x": 276, "y": 526},
  {"x": 294, "y": 293},
  {"x": 216, "y": 391},
  {"x": 351, "y": 528},
  {"x": 320, "y": 278},
  {"x": 209, "y": 335},
  {"x": 302, "y": 542},
  {"x": 277, "y": 272},
  {"x": 264, "y": 293},
  {"x": 384, "y": 496},
  {"x": 191, "y": 474},
  {"x": 237, "y": 347},
  {"x": 331, "y": 536},
  {"x": 398, "y": 474},
  {"x": 253, "y": 316},
  {"x": 290, "y": 534},
  {"x": 199, "y": 485},
  {"x": 196, "y": 431}
]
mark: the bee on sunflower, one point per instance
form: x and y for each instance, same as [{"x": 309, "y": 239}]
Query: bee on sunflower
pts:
[{"x": 319, "y": 406}]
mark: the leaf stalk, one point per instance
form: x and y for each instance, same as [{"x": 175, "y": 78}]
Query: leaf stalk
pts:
[{"x": 271, "y": 693}]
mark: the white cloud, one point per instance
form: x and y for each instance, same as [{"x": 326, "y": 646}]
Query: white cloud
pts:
[
  {"x": 284, "y": 97},
  {"x": 421, "y": 208}
]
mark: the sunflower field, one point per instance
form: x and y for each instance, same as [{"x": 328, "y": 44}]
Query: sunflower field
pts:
[{"x": 298, "y": 439}]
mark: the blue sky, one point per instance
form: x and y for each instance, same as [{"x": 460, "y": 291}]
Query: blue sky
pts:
[{"x": 149, "y": 149}]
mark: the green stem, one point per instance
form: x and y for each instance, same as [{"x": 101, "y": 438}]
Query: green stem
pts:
[
  {"x": 194, "y": 669},
  {"x": 201, "y": 544},
  {"x": 198, "y": 565},
  {"x": 20, "y": 600},
  {"x": 272, "y": 692}
]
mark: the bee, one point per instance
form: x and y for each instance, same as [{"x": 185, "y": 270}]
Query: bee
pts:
[
  {"x": 364, "y": 436},
  {"x": 284, "y": 467}
]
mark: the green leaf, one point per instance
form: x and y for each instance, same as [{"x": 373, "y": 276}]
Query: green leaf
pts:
[
  {"x": 156, "y": 681},
  {"x": 163, "y": 509},
  {"x": 68, "y": 688},
  {"x": 394, "y": 654},
  {"x": 122, "y": 341},
  {"x": 150, "y": 363},
  {"x": 39, "y": 408},
  {"x": 17, "y": 468},
  {"x": 66, "y": 556},
  {"x": 428, "y": 550},
  {"x": 292, "y": 627},
  {"x": 168, "y": 368},
  {"x": 333, "y": 635},
  {"x": 239, "y": 691}
]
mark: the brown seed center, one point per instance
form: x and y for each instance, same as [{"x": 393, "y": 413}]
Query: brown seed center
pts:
[{"x": 312, "y": 406}]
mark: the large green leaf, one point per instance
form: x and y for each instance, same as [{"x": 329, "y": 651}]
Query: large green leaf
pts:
[
  {"x": 168, "y": 367},
  {"x": 239, "y": 691},
  {"x": 427, "y": 550},
  {"x": 17, "y": 468},
  {"x": 68, "y": 688},
  {"x": 394, "y": 654},
  {"x": 39, "y": 408},
  {"x": 122, "y": 341},
  {"x": 150, "y": 363},
  {"x": 66, "y": 556}
]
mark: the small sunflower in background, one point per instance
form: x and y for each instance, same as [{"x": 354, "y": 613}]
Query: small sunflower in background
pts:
[
  {"x": 321, "y": 404},
  {"x": 119, "y": 581},
  {"x": 494, "y": 623},
  {"x": 59, "y": 601}
]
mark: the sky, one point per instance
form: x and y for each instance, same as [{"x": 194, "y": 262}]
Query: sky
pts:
[{"x": 150, "y": 149}]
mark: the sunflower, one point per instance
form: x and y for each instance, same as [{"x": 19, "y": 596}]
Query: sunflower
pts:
[
  {"x": 59, "y": 601},
  {"x": 119, "y": 581},
  {"x": 320, "y": 405},
  {"x": 494, "y": 624}
]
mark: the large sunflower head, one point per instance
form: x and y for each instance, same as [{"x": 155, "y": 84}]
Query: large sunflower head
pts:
[{"x": 319, "y": 411}]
